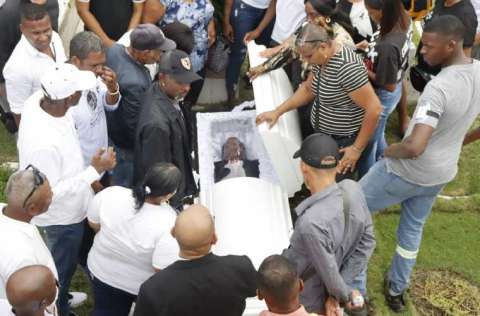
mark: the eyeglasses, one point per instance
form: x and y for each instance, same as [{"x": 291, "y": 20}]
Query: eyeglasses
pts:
[{"x": 38, "y": 179}]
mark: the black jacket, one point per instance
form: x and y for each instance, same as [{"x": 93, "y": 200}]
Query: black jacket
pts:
[
  {"x": 208, "y": 286},
  {"x": 161, "y": 137},
  {"x": 250, "y": 167}
]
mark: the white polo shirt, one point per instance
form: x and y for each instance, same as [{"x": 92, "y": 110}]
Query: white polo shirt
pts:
[
  {"x": 130, "y": 243},
  {"x": 21, "y": 246},
  {"x": 90, "y": 120},
  {"x": 259, "y": 4},
  {"x": 289, "y": 16},
  {"x": 25, "y": 67},
  {"x": 51, "y": 144}
]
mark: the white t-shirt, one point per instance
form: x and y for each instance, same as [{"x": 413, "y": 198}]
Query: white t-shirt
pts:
[
  {"x": 130, "y": 243},
  {"x": 90, "y": 120},
  {"x": 21, "y": 246},
  {"x": 360, "y": 19},
  {"x": 289, "y": 16},
  {"x": 51, "y": 144},
  {"x": 25, "y": 68},
  {"x": 259, "y": 4}
]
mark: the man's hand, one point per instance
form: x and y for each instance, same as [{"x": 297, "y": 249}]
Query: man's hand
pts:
[
  {"x": 251, "y": 36},
  {"x": 271, "y": 117},
  {"x": 332, "y": 308},
  {"x": 228, "y": 31},
  {"x": 254, "y": 72},
  {"x": 97, "y": 187},
  {"x": 104, "y": 160},
  {"x": 109, "y": 77}
]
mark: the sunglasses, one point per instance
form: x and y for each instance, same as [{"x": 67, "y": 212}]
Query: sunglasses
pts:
[{"x": 38, "y": 181}]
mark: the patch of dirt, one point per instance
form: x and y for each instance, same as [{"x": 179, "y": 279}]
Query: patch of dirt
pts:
[{"x": 444, "y": 293}]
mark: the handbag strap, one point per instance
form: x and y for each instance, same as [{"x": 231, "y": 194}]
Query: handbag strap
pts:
[{"x": 310, "y": 271}]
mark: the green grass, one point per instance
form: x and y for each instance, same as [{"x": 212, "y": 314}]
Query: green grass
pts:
[{"x": 450, "y": 237}]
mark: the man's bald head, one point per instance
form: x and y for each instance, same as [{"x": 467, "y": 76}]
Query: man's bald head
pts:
[
  {"x": 31, "y": 287},
  {"x": 194, "y": 230}
]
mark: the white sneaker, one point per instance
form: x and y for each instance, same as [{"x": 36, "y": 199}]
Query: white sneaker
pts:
[{"x": 76, "y": 299}]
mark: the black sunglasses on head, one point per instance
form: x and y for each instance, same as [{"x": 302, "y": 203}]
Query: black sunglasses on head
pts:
[{"x": 38, "y": 181}]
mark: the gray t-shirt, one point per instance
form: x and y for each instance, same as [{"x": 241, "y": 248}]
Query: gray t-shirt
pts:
[{"x": 450, "y": 104}]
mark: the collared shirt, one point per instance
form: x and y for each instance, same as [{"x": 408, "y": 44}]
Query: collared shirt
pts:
[
  {"x": 318, "y": 240},
  {"x": 131, "y": 242},
  {"x": 22, "y": 246},
  {"x": 90, "y": 120},
  {"x": 51, "y": 144},
  {"x": 25, "y": 68},
  {"x": 299, "y": 312}
]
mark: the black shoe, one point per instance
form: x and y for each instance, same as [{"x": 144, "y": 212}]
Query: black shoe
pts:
[{"x": 395, "y": 302}]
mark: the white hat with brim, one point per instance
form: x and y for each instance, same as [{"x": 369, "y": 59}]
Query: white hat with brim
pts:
[{"x": 64, "y": 80}]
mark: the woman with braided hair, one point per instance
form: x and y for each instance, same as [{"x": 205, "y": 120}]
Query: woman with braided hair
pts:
[{"x": 133, "y": 238}]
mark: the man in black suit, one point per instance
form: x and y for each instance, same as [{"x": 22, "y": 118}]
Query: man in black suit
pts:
[
  {"x": 162, "y": 134},
  {"x": 234, "y": 162},
  {"x": 201, "y": 283}
]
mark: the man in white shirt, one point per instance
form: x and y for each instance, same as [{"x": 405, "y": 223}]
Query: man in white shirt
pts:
[
  {"x": 47, "y": 139},
  {"x": 38, "y": 50},
  {"x": 28, "y": 194},
  {"x": 289, "y": 15},
  {"x": 31, "y": 291},
  {"x": 88, "y": 53}
]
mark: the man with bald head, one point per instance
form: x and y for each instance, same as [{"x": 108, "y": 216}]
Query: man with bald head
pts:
[
  {"x": 213, "y": 285},
  {"x": 28, "y": 195},
  {"x": 31, "y": 291}
]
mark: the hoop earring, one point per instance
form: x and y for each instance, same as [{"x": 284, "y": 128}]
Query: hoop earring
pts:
[{"x": 328, "y": 20}]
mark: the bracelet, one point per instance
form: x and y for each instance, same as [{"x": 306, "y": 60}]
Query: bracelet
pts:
[
  {"x": 357, "y": 149},
  {"x": 116, "y": 92}
]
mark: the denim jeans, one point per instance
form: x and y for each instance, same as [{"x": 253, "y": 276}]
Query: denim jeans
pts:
[
  {"x": 110, "y": 301},
  {"x": 383, "y": 189},
  {"x": 244, "y": 18},
  {"x": 64, "y": 242},
  {"x": 122, "y": 174},
  {"x": 377, "y": 144}
]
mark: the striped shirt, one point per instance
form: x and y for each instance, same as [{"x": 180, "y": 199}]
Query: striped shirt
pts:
[{"x": 334, "y": 112}]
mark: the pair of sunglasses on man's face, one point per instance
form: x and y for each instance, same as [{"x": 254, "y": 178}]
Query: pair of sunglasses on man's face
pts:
[{"x": 39, "y": 179}]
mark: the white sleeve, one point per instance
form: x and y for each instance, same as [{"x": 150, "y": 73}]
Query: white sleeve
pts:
[
  {"x": 47, "y": 160},
  {"x": 93, "y": 212},
  {"x": 18, "y": 86},
  {"x": 166, "y": 252}
]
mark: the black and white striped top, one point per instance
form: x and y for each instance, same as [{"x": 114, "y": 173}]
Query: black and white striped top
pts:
[{"x": 334, "y": 112}]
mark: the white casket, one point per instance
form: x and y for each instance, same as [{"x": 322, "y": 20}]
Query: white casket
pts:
[{"x": 252, "y": 215}]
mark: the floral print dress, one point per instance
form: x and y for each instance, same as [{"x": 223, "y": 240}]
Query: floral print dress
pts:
[{"x": 196, "y": 14}]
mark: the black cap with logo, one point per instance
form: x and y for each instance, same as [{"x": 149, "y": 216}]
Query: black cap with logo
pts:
[
  {"x": 150, "y": 37},
  {"x": 319, "y": 151},
  {"x": 177, "y": 65}
]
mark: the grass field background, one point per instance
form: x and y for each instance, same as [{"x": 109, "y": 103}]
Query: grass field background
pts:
[{"x": 451, "y": 236}]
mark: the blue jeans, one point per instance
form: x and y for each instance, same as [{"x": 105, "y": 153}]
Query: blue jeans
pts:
[
  {"x": 122, "y": 175},
  {"x": 375, "y": 148},
  {"x": 110, "y": 301},
  {"x": 383, "y": 189},
  {"x": 244, "y": 18},
  {"x": 64, "y": 242}
]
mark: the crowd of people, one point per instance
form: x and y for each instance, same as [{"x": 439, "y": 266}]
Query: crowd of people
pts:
[{"x": 106, "y": 146}]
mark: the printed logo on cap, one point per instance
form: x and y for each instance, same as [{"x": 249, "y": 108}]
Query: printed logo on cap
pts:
[{"x": 186, "y": 63}]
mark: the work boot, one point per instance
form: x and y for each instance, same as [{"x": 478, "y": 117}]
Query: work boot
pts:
[{"x": 395, "y": 302}]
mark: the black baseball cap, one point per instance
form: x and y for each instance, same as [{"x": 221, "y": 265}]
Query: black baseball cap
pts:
[
  {"x": 181, "y": 34},
  {"x": 177, "y": 65},
  {"x": 149, "y": 37},
  {"x": 319, "y": 151}
]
